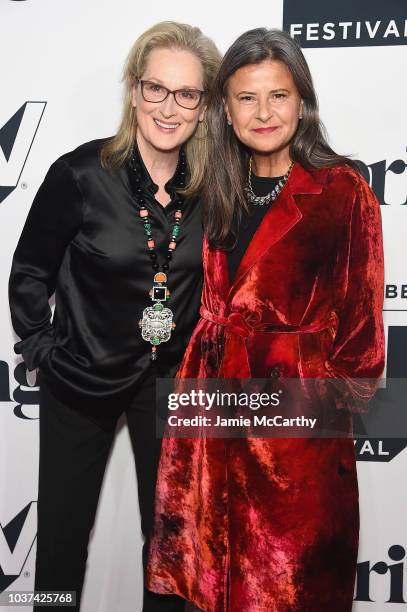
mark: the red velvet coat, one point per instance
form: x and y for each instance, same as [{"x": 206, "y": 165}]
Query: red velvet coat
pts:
[{"x": 271, "y": 525}]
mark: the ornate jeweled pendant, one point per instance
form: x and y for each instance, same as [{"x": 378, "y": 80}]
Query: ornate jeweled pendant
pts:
[{"x": 157, "y": 322}]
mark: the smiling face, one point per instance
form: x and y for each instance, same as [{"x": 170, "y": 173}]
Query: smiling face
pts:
[
  {"x": 264, "y": 106},
  {"x": 165, "y": 126}
]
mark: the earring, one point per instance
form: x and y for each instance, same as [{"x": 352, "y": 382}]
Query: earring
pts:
[{"x": 229, "y": 122}]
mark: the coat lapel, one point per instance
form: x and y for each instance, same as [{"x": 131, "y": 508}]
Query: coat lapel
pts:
[{"x": 283, "y": 215}]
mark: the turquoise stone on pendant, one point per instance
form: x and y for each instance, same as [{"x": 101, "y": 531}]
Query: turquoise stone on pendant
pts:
[
  {"x": 154, "y": 340},
  {"x": 157, "y": 307}
]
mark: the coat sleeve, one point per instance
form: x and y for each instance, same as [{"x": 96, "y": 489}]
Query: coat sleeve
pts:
[
  {"x": 358, "y": 353},
  {"x": 53, "y": 220}
]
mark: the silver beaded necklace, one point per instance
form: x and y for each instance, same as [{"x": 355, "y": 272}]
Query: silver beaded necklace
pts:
[{"x": 269, "y": 197}]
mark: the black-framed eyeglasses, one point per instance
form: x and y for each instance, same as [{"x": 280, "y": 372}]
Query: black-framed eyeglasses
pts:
[{"x": 187, "y": 98}]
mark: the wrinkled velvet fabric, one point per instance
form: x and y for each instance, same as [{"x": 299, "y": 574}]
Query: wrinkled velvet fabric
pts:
[{"x": 272, "y": 525}]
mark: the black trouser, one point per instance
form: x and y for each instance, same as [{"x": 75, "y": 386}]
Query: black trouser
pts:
[{"x": 74, "y": 448}]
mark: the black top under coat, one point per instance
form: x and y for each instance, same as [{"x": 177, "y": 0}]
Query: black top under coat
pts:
[
  {"x": 83, "y": 239},
  {"x": 261, "y": 186}
]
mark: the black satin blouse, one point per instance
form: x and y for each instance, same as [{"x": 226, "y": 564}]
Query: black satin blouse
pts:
[{"x": 83, "y": 239}]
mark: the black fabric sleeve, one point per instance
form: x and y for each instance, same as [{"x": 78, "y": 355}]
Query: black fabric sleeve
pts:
[{"x": 53, "y": 220}]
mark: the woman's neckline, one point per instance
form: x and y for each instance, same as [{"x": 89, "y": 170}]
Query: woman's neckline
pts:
[{"x": 265, "y": 179}]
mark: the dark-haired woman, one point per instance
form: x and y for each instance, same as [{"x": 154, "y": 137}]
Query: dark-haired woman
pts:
[
  {"x": 115, "y": 227},
  {"x": 293, "y": 289}
]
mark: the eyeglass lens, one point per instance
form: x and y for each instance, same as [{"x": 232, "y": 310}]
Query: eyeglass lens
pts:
[{"x": 153, "y": 92}]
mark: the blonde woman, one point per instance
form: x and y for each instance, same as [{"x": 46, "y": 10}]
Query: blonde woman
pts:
[{"x": 115, "y": 232}]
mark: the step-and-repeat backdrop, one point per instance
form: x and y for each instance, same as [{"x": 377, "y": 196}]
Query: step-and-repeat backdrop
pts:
[{"x": 60, "y": 86}]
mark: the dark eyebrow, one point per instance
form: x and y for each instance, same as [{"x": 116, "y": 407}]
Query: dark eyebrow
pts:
[{"x": 252, "y": 93}]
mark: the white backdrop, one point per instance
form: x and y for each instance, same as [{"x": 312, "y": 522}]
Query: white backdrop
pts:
[{"x": 65, "y": 58}]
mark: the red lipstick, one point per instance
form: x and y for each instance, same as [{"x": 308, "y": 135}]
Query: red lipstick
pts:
[{"x": 265, "y": 130}]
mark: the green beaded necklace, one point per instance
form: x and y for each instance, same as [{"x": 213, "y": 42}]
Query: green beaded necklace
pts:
[{"x": 157, "y": 322}]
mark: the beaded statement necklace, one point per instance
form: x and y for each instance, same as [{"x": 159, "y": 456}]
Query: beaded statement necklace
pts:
[
  {"x": 269, "y": 197},
  {"x": 157, "y": 322}
]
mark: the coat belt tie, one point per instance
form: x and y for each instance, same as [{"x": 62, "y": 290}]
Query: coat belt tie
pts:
[{"x": 238, "y": 328}]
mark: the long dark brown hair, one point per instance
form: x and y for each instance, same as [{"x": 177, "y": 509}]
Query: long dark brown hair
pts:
[{"x": 223, "y": 192}]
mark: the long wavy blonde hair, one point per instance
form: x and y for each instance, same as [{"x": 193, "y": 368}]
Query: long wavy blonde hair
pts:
[{"x": 164, "y": 35}]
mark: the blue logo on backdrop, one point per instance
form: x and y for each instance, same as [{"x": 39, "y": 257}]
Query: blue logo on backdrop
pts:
[
  {"x": 346, "y": 23},
  {"x": 16, "y": 139}
]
